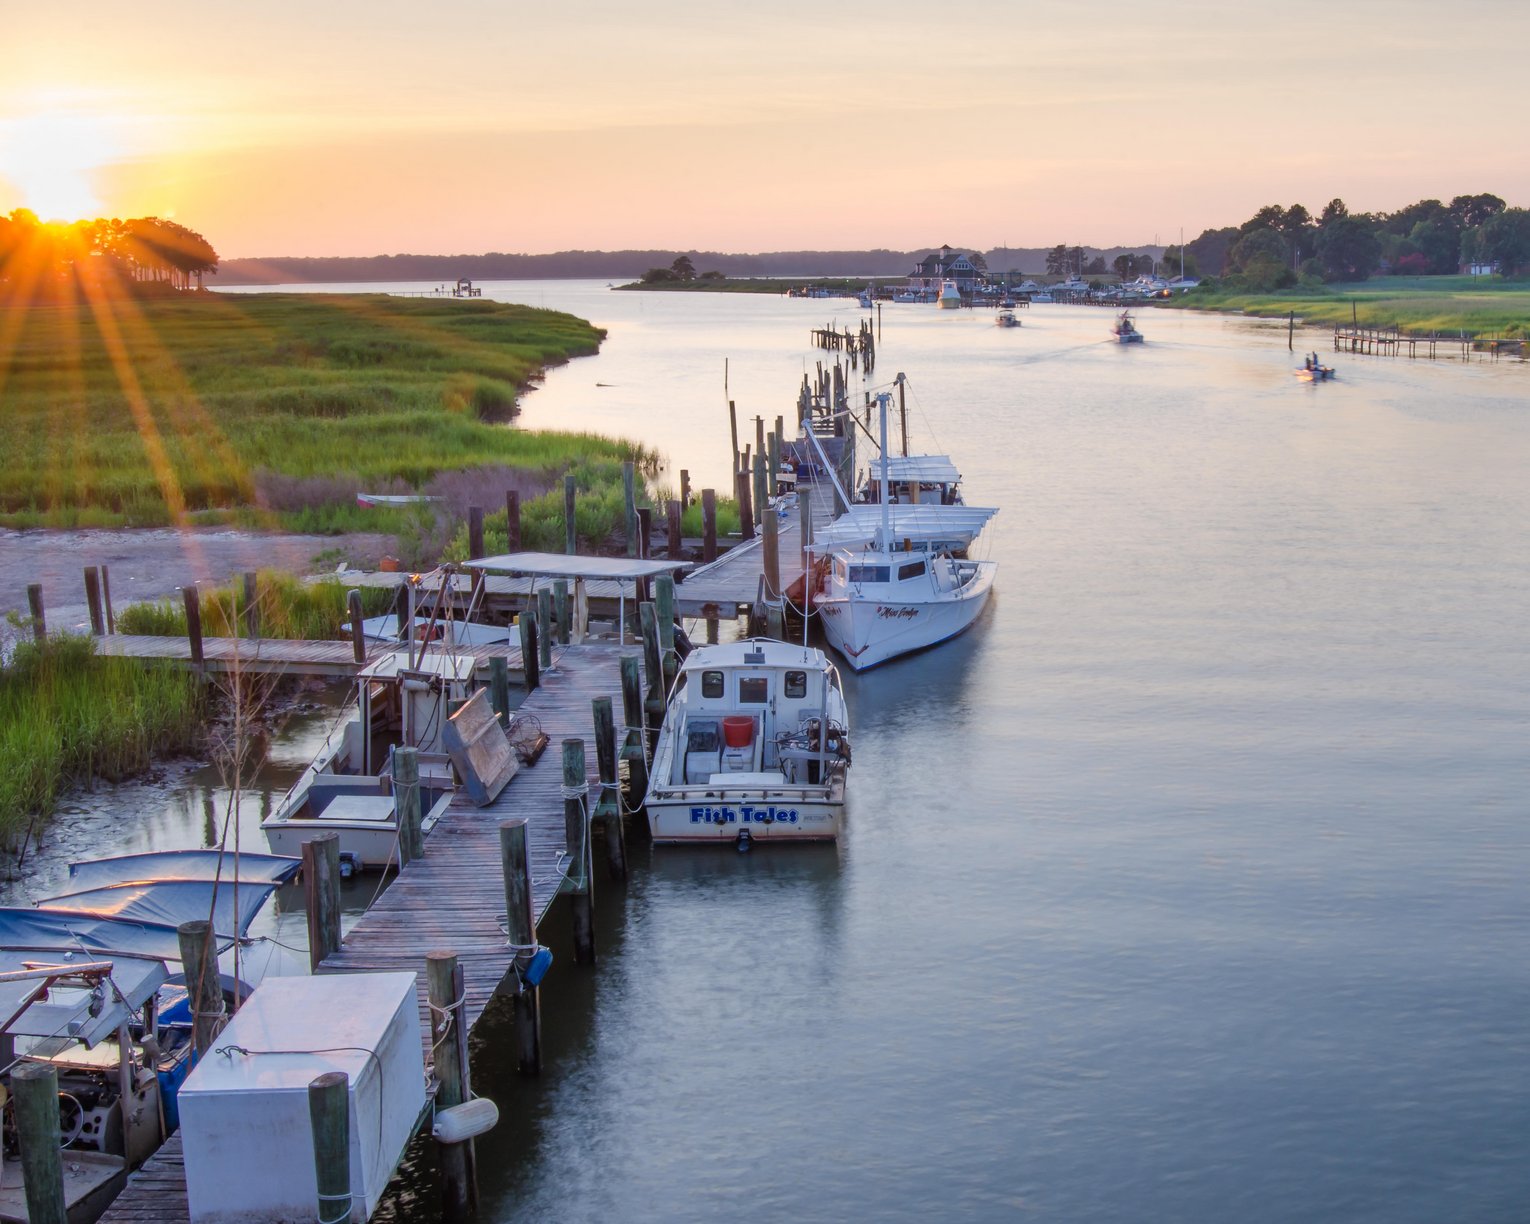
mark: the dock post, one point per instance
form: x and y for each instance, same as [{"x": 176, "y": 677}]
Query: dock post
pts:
[
  {"x": 251, "y": 606},
  {"x": 35, "y": 607},
  {"x": 570, "y": 523},
  {"x": 653, "y": 668},
  {"x": 560, "y": 609},
  {"x": 685, "y": 489},
  {"x": 329, "y": 1114},
  {"x": 733, "y": 427},
  {"x": 35, "y": 1086},
  {"x": 629, "y": 501},
  {"x": 745, "y": 504},
  {"x": 761, "y": 489},
  {"x": 512, "y": 521},
  {"x": 672, "y": 514},
  {"x": 106, "y": 599},
  {"x": 709, "y": 524},
  {"x": 406, "y": 803},
  {"x": 93, "y": 598},
  {"x": 664, "y": 609},
  {"x": 775, "y": 461},
  {"x": 529, "y": 649},
  {"x": 608, "y": 809},
  {"x": 358, "y": 630},
  {"x": 193, "y": 625},
  {"x": 576, "y": 833},
  {"x": 545, "y": 625},
  {"x": 770, "y": 551},
  {"x": 581, "y": 626},
  {"x": 200, "y": 961},
  {"x": 521, "y": 932},
  {"x": 321, "y": 895},
  {"x": 499, "y": 689},
  {"x": 459, "y": 1172},
  {"x": 634, "y": 740},
  {"x": 475, "y": 532},
  {"x": 759, "y": 442}
]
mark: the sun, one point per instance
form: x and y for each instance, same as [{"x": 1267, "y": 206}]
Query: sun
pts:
[{"x": 51, "y": 159}]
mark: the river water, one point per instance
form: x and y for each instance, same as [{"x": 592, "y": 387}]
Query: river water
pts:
[{"x": 1189, "y": 885}]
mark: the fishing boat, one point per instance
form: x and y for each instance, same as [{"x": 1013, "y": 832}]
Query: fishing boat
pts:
[
  {"x": 905, "y": 584},
  {"x": 1006, "y": 318},
  {"x": 1043, "y": 296},
  {"x": 402, "y": 700},
  {"x": 1124, "y": 330},
  {"x": 1313, "y": 370},
  {"x": 754, "y": 747},
  {"x": 950, "y": 296},
  {"x": 922, "y": 480}
]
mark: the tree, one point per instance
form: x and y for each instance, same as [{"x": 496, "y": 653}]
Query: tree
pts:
[
  {"x": 1210, "y": 250},
  {"x": 1057, "y": 260},
  {"x": 1470, "y": 211},
  {"x": 1123, "y": 265},
  {"x": 1335, "y": 210},
  {"x": 1257, "y": 245},
  {"x": 683, "y": 268},
  {"x": 1439, "y": 241},
  {"x": 1095, "y": 267},
  {"x": 1504, "y": 239},
  {"x": 1348, "y": 249},
  {"x": 1171, "y": 261},
  {"x": 658, "y": 276}
]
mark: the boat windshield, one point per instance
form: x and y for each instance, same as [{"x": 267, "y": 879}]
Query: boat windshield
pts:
[{"x": 868, "y": 573}]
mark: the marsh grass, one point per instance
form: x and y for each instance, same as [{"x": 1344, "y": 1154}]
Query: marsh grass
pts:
[
  {"x": 288, "y": 607},
  {"x": 1419, "y": 305},
  {"x": 207, "y": 399},
  {"x": 69, "y": 716}
]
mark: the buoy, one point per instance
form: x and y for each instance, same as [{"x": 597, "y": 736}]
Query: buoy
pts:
[
  {"x": 537, "y": 968},
  {"x": 466, "y": 1121}
]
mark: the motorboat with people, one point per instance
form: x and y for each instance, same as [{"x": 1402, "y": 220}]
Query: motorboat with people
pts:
[
  {"x": 1006, "y": 318},
  {"x": 755, "y": 746},
  {"x": 1313, "y": 370},
  {"x": 1125, "y": 330},
  {"x": 403, "y": 699}
]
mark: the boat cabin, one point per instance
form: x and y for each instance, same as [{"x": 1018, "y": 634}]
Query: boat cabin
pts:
[{"x": 915, "y": 479}]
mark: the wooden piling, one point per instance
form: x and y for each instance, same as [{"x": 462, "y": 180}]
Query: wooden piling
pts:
[
  {"x": 106, "y": 599},
  {"x": 35, "y": 607},
  {"x": 672, "y": 524},
  {"x": 629, "y": 502},
  {"x": 406, "y": 804},
  {"x": 199, "y": 959},
  {"x": 770, "y": 549},
  {"x": 609, "y": 807},
  {"x": 635, "y": 740},
  {"x": 761, "y": 490},
  {"x": 35, "y": 1089},
  {"x": 329, "y": 1115},
  {"x": 653, "y": 668},
  {"x": 321, "y": 895},
  {"x": 521, "y": 931},
  {"x": 576, "y": 831},
  {"x": 685, "y": 489},
  {"x": 560, "y": 609},
  {"x": 664, "y": 614},
  {"x": 512, "y": 521},
  {"x": 499, "y": 689},
  {"x": 193, "y": 624},
  {"x": 93, "y": 599},
  {"x": 774, "y": 453},
  {"x": 545, "y": 624},
  {"x": 251, "y": 607},
  {"x": 570, "y": 523},
  {"x": 475, "y": 533},
  {"x": 733, "y": 428},
  {"x": 709, "y": 524},
  {"x": 530, "y": 650},
  {"x": 458, "y": 1162},
  {"x": 358, "y": 630},
  {"x": 745, "y": 505}
]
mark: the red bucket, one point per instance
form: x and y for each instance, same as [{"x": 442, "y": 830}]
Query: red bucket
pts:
[{"x": 738, "y": 731}]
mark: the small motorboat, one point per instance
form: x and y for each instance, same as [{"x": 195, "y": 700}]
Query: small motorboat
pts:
[
  {"x": 950, "y": 296},
  {"x": 1006, "y": 318},
  {"x": 754, "y": 747},
  {"x": 1314, "y": 370},
  {"x": 1124, "y": 330}
]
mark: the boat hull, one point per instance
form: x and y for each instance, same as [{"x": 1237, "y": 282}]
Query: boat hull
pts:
[
  {"x": 871, "y": 631},
  {"x": 707, "y": 817}
]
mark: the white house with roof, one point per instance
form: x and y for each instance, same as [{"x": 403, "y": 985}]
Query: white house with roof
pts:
[{"x": 943, "y": 265}]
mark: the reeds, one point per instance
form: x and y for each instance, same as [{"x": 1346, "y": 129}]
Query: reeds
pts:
[
  {"x": 68, "y": 716},
  {"x": 286, "y": 607}
]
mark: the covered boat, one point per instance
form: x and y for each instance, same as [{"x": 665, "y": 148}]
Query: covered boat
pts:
[{"x": 755, "y": 746}]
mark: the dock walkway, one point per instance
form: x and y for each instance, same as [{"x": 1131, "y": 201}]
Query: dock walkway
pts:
[
  {"x": 453, "y": 898},
  {"x": 264, "y": 656}
]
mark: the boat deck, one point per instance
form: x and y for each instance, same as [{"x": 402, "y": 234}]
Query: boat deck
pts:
[{"x": 453, "y": 898}]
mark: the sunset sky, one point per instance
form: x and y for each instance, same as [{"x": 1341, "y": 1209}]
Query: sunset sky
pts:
[{"x": 353, "y": 128}]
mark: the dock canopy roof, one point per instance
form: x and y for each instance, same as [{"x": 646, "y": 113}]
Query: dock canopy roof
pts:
[
  {"x": 922, "y": 524},
  {"x": 927, "y": 469},
  {"x": 566, "y": 565}
]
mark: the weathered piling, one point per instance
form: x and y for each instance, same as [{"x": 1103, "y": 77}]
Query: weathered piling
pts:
[
  {"x": 530, "y": 650},
  {"x": 629, "y": 503},
  {"x": 358, "y": 630},
  {"x": 321, "y": 895},
  {"x": 560, "y": 609},
  {"x": 770, "y": 549},
  {"x": 761, "y": 490},
  {"x": 199, "y": 959},
  {"x": 35, "y": 1089},
  {"x": 545, "y": 625},
  {"x": 673, "y": 537},
  {"x": 709, "y": 524},
  {"x": 93, "y": 599},
  {"x": 251, "y": 609},
  {"x": 570, "y": 523},
  {"x": 475, "y": 532},
  {"x": 512, "y": 521},
  {"x": 745, "y": 505},
  {"x": 685, "y": 489},
  {"x": 608, "y": 809},
  {"x": 521, "y": 931},
  {"x": 576, "y": 830},
  {"x": 193, "y": 607},
  {"x": 106, "y": 599},
  {"x": 329, "y": 1115},
  {"x": 499, "y": 689},
  {"x": 634, "y": 741},
  {"x": 458, "y": 1161},
  {"x": 733, "y": 428},
  {"x": 406, "y": 804},
  {"x": 664, "y": 614},
  {"x": 35, "y": 607},
  {"x": 653, "y": 669}
]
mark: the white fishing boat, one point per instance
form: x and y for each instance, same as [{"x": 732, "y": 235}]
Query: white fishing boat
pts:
[
  {"x": 923, "y": 480},
  {"x": 754, "y": 747},
  {"x": 1124, "y": 330},
  {"x": 1006, "y": 318},
  {"x": 1043, "y": 296},
  {"x": 950, "y": 296},
  {"x": 904, "y": 588},
  {"x": 348, "y": 789},
  {"x": 1313, "y": 370}
]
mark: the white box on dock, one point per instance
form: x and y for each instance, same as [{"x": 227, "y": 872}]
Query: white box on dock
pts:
[{"x": 244, "y": 1116}]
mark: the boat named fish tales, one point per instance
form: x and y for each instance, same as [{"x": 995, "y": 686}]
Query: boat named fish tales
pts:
[{"x": 755, "y": 747}]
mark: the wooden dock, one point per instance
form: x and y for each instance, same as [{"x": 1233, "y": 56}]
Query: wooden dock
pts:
[
  {"x": 268, "y": 656},
  {"x": 451, "y": 899}
]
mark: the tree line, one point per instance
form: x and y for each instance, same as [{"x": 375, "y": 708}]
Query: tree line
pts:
[
  {"x": 1280, "y": 247},
  {"x": 143, "y": 250}
]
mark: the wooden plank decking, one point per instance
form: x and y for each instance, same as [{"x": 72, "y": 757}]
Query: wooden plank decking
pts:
[
  {"x": 452, "y": 899},
  {"x": 262, "y": 656}
]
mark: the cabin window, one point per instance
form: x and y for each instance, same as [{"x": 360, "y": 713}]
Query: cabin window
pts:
[
  {"x": 839, "y": 569},
  {"x": 711, "y": 684},
  {"x": 753, "y": 690},
  {"x": 912, "y": 570},
  {"x": 868, "y": 573},
  {"x": 796, "y": 684}
]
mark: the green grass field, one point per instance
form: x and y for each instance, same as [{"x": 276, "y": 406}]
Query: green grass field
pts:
[
  {"x": 1421, "y": 304},
  {"x": 269, "y": 409}
]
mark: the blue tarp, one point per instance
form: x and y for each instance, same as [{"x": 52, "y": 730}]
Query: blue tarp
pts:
[
  {"x": 168, "y": 903},
  {"x": 43, "y": 930},
  {"x": 182, "y": 865}
]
